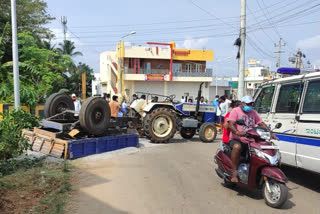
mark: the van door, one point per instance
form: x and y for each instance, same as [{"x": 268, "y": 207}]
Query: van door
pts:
[
  {"x": 263, "y": 102},
  {"x": 308, "y": 132},
  {"x": 285, "y": 110}
]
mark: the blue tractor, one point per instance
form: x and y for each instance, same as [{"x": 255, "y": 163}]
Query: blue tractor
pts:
[{"x": 162, "y": 119}]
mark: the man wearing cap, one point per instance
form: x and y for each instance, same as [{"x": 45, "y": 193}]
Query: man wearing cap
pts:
[
  {"x": 77, "y": 104},
  {"x": 251, "y": 119}
]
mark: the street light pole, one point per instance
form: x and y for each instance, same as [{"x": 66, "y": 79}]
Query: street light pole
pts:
[
  {"x": 120, "y": 61},
  {"x": 15, "y": 57}
]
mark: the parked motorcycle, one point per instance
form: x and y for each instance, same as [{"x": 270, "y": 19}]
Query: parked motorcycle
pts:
[{"x": 259, "y": 166}]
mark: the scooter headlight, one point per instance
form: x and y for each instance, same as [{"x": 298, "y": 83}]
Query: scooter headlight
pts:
[
  {"x": 263, "y": 134},
  {"x": 273, "y": 160}
]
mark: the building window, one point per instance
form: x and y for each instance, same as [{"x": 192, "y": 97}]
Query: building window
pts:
[
  {"x": 176, "y": 67},
  {"x": 188, "y": 67},
  {"x": 197, "y": 67}
]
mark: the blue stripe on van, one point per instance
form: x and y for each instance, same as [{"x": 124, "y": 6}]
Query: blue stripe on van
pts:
[{"x": 299, "y": 140}]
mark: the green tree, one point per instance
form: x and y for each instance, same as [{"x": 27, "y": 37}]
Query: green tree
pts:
[
  {"x": 32, "y": 16},
  {"x": 75, "y": 81},
  {"x": 42, "y": 72},
  {"x": 11, "y": 142},
  {"x": 67, "y": 48}
]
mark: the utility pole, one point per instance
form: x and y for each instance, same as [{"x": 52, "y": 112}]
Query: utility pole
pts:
[
  {"x": 64, "y": 25},
  {"x": 241, "y": 85},
  {"x": 279, "y": 51},
  {"x": 15, "y": 57},
  {"x": 299, "y": 55}
]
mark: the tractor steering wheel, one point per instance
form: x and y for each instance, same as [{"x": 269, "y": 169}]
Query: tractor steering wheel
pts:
[{"x": 170, "y": 98}]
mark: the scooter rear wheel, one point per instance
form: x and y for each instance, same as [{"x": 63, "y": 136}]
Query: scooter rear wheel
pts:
[{"x": 278, "y": 196}]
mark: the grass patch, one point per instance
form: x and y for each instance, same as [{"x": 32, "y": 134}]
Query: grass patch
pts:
[{"x": 42, "y": 188}]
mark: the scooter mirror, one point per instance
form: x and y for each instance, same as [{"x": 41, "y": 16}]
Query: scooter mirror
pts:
[
  {"x": 241, "y": 122},
  {"x": 278, "y": 125}
]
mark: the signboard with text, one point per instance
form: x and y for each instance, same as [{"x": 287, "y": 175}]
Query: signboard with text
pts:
[{"x": 154, "y": 77}]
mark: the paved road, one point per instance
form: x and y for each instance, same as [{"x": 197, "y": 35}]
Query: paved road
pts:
[{"x": 177, "y": 178}]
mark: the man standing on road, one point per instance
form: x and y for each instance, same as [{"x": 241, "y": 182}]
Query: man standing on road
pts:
[
  {"x": 251, "y": 119},
  {"x": 115, "y": 107},
  {"x": 77, "y": 104}
]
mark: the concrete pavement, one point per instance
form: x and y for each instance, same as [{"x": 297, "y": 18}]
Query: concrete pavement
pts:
[{"x": 177, "y": 178}]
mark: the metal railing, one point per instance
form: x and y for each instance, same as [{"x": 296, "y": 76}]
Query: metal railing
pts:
[
  {"x": 192, "y": 74},
  {"x": 147, "y": 71}
]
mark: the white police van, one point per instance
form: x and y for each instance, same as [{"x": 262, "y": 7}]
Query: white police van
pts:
[{"x": 294, "y": 102}]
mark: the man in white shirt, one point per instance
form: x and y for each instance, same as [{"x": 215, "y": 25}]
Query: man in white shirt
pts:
[{"x": 77, "y": 104}]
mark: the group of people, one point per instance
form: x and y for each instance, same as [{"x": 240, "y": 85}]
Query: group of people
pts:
[
  {"x": 190, "y": 100},
  {"x": 222, "y": 105},
  {"x": 118, "y": 110}
]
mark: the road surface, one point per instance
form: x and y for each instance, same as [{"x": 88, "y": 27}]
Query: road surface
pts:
[{"x": 177, "y": 178}]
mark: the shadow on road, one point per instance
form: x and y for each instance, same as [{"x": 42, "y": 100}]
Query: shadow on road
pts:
[
  {"x": 87, "y": 201},
  {"x": 302, "y": 177},
  {"x": 257, "y": 195}
]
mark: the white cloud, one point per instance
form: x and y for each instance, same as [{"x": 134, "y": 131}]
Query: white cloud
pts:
[
  {"x": 309, "y": 43},
  {"x": 190, "y": 43}
]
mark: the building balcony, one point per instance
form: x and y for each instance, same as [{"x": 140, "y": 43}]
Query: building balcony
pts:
[
  {"x": 192, "y": 74},
  {"x": 208, "y": 73},
  {"x": 147, "y": 71}
]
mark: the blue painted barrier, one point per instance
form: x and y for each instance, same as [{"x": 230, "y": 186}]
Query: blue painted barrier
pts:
[{"x": 84, "y": 147}]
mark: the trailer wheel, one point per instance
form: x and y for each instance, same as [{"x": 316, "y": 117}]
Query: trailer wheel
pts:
[
  {"x": 57, "y": 103},
  {"x": 160, "y": 125},
  {"x": 207, "y": 132},
  {"x": 187, "y": 133},
  {"x": 95, "y": 116}
]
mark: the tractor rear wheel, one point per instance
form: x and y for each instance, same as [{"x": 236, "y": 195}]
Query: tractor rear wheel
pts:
[
  {"x": 57, "y": 103},
  {"x": 160, "y": 125},
  {"x": 95, "y": 116}
]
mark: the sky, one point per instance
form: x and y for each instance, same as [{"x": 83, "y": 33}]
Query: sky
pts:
[{"x": 97, "y": 25}]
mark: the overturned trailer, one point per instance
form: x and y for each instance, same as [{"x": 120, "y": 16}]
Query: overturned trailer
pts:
[{"x": 70, "y": 134}]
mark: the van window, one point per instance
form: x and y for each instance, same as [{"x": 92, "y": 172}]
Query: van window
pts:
[
  {"x": 312, "y": 98},
  {"x": 289, "y": 98},
  {"x": 264, "y": 100}
]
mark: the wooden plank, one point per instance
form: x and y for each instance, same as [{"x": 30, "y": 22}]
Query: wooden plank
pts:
[
  {"x": 46, "y": 133},
  {"x": 73, "y": 132}
]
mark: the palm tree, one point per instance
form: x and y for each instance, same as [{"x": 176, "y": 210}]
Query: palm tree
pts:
[
  {"x": 46, "y": 44},
  {"x": 67, "y": 48}
]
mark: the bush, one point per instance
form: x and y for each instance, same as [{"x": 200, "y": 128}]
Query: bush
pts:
[{"x": 12, "y": 143}]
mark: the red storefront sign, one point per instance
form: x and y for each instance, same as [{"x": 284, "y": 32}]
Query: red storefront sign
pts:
[{"x": 154, "y": 77}]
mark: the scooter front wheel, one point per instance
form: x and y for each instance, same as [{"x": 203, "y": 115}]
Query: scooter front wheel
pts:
[{"x": 278, "y": 195}]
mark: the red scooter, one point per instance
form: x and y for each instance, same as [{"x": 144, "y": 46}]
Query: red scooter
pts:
[{"x": 259, "y": 166}]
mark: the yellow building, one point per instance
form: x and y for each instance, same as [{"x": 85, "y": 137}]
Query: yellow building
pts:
[{"x": 158, "y": 68}]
